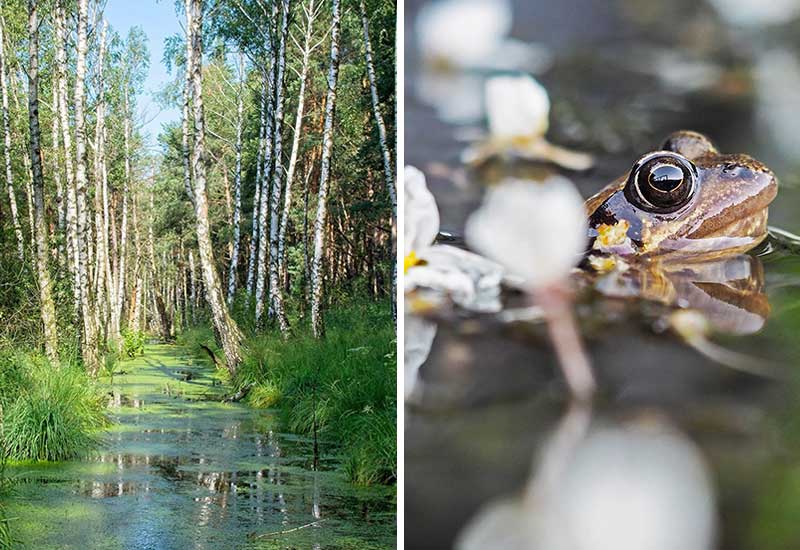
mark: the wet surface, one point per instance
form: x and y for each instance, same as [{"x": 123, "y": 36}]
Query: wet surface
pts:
[
  {"x": 179, "y": 469},
  {"x": 619, "y": 83}
]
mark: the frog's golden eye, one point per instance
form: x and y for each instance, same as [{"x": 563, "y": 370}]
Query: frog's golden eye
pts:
[{"x": 661, "y": 182}]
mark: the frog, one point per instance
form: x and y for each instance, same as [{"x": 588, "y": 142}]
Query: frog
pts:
[
  {"x": 676, "y": 230},
  {"x": 685, "y": 201}
]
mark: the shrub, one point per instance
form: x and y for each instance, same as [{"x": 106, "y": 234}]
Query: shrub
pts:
[
  {"x": 264, "y": 395},
  {"x": 54, "y": 416},
  {"x": 344, "y": 385},
  {"x": 133, "y": 343}
]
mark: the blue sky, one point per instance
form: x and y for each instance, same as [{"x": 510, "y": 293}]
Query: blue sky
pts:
[{"x": 159, "y": 20}]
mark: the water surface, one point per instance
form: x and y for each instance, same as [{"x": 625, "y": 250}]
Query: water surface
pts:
[{"x": 179, "y": 469}]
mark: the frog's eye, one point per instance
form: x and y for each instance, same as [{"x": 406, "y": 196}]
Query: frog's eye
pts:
[{"x": 662, "y": 182}]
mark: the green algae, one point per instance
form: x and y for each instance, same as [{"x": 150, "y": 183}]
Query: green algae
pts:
[{"x": 180, "y": 469}]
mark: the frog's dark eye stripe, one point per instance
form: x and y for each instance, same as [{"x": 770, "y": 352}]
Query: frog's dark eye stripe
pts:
[{"x": 662, "y": 182}]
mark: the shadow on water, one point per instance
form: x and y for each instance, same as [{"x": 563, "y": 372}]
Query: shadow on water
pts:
[
  {"x": 179, "y": 469},
  {"x": 624, "y": 75}
]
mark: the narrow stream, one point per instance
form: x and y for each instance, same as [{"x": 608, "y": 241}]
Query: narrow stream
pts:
[{"x": 179, "y": 469}]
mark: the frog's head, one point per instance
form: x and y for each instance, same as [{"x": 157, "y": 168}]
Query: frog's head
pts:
[{"x": 684, "y": 199}]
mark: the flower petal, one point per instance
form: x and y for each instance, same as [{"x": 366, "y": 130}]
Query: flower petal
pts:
[
  {"x": 518, "y": 108},
  {"x": 536, "y": 230},
  {"x": 421, "y": 212},
  {"x": 462, "y": 33},
  {"x": 471, "y": 281}
]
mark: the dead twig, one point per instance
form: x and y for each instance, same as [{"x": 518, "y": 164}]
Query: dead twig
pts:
[{"x": 285, "y": 531}]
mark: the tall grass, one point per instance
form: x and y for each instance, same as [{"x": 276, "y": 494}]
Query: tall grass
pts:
[
  {"x": 6, "y": 538},
  {"x": 48, "y": 414},
  {"x": 342, "y": 387}
]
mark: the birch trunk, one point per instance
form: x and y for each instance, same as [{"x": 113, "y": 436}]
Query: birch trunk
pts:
[
  {"x": 187, "y": 170},
  {"x": 226, "y": 328},
  {"x": 253, "y": 259},
  {"x": 12, "y": 198},
  {"x": 61, "y": 202},
  {"x": 90, "y": 344},
  {"x": 275, "y": 290},
  {"x": 310, "y": 14},
  {"x": 165, "y": 320},
  {"x": 66, "y": 139},
  {"x": 26, "y": 161},
  {"x": 387, "y": 156},
  {"x": 317, "y": 321},
  {"x": 237, "y": 187},
  {"x": 40, "y": 226},
  {"x": 101, "y": 233},
  {"x": 263, "y": 209}
]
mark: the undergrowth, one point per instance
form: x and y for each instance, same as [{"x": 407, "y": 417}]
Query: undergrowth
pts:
[
  {"x": 48, "y": 414},
  {"x": 343, "y": 386}
]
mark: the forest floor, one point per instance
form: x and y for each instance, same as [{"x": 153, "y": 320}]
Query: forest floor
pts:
[{"x": 181, "y": 469}]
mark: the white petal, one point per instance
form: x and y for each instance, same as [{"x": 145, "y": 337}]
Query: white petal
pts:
[
  {"x": 456, "y": 96},
  {"x": 638, "y": 487},
  {"x": 419, "y": 335},
  {"x": 484, "y": 276},
  {"x": 754, "y": 13},
  {"x": 536, "y": 230},
  {"x": 469, "y": 280},
  {"x": 517, "y": 106},
  {"x": 632, "y": 488},
  {"x": 462, "y": 32},
  {"x": 421, "y": 212}
]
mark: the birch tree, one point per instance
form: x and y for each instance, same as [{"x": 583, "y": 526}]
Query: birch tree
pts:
[
  {"x": 40, "y": 225},
  {"x": 227, "y": 331},
  {"x": 310, "y": 13},
  {"x": 66, "y": 140},
  {"x": 386, "y": 153},
  {"x": 12, "y": 198},
  {"x": 262, "y": 131},
  {"x": 276, "y": 296},
  {"x": 237, "y": 185},
  {"x": 90, "y": 343},
  {"x": 317, "y": 321}
]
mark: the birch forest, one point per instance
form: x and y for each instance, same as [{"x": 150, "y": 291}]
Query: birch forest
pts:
[{"x": 248, "y": 246}]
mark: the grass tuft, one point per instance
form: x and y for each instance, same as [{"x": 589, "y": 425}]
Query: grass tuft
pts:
[{"x": 53, "y": 415}]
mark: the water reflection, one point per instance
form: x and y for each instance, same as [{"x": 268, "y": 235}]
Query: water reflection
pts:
[
  {"x": 729, "y": 292},
  {"x": 625, "y": 485}
]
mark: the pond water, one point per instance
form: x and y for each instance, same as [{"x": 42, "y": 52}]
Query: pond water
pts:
[
  {"x": 623, "y": 75},
  {"x": 180, "y": 469}
]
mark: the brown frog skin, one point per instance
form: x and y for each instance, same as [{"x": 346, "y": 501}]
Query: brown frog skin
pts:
[{"x": 685, "y": 201}]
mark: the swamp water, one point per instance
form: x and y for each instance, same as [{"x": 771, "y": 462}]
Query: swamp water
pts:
[
  {"x": 179, "y": 469},
  {"x": 624, "y": 74}
]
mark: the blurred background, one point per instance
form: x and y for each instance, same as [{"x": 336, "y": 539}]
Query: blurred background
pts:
[{"x": 621, "y": 76}]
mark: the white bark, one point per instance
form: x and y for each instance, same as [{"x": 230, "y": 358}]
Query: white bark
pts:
[
  {"x": 90, "y": 344},
  {"x": 12, "y": 199},
  {"x": 237, "y": 186},
  {"x": 226, "y": 328},
  {"x": 101, "y": 231},
  {"x": 275, "y": 291},
  {"x": 66, "y": 139},
  {"x": 310, "y": 12},
  {"x": 317, "y": 321},
  {"x": 386, "y": 153},
  {"x": 40, "y": 226},
  {"x": 253, "y": 258},
  {"x": 263, "y": 209}
]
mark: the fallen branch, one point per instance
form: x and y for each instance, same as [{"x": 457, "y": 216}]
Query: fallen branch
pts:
[
  {"x": 211, "y": 354},
  {"x": 285, "y": 531}
]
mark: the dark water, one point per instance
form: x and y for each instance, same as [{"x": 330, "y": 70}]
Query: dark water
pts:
[
  {"x": 178, "y": 470},
  {"x": 619, "y": 85}
]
